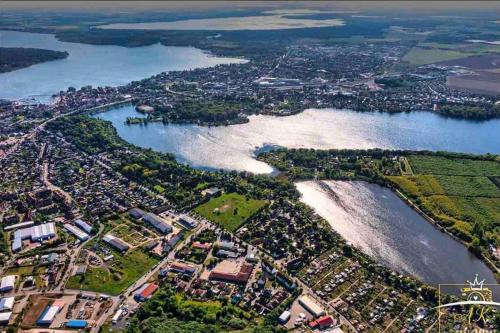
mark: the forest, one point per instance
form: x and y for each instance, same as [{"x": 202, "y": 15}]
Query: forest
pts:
[{"x": 13, "y": 58}]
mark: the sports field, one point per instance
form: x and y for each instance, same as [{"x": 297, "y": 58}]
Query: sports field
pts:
[{"x": 230, "y": 210}]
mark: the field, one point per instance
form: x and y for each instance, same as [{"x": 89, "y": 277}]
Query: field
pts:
[
  {"x": 429, "y": 53},
  {"x": 115, "y": 276},
  {"x": 37, "y": 305},
  {"x": 463, "y": 194},
  {"x": 230, "y": 210},
  {"x": 423, "y": 56}
]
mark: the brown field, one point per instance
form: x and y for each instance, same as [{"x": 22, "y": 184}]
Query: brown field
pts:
[
  {"x": 483, "y": 82},
  {"x": 38, "y": 304}
]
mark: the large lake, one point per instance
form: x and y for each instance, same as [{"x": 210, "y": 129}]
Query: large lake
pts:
[
  {"x": 375, "y": 220},
  {"x": 371, "y": 217},
  {"x": 96, "y": 65},
  {"x": 233, "y": 147}
]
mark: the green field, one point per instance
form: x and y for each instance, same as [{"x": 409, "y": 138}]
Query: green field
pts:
[
  {"x": 113, "y": 279},
  {"x": 230, "y": 210},
  {"x": 461, "y": 193},
  {"x": 424, "y": 56}
]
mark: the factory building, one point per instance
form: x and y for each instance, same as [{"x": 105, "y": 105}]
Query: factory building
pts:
[
  {"x": 7, "y": 283},
  {"x": 50, "y": 312},
  {"x": 84, "y": 226},
  {"x": 6, "y": 303},
  {"x": 158, "y": 223},
  {"x": 82, "y": 236},
  {"x": 116, "y": 242},
  {"x": 37, "y": 233}
]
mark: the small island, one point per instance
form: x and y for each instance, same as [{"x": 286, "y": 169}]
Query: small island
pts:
[{"x": 13, "y": 58}]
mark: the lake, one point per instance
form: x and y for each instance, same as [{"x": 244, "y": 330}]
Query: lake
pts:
[
  {"x": 378, "y": 222},
  {"x": 233, "y": 147},
  {"x": 96, "y": 65}
]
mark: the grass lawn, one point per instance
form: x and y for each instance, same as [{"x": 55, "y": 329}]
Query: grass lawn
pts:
[
  {"x": 112, "y": 280},
  {"x": 230, "y": 210},
  {"x": 459, "y": 192}
]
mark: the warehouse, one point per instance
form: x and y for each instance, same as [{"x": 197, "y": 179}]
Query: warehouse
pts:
[
  {"x": 145, "y": 292},
  {"x": 136, "y": 213},
  {"x": 50, "y": 312},
  {"x": 77, "y": 324},
  {"x": 35, "y": 233},
  {"x": 232, "y": 271},
  {"x": 7, "y": 283},
  {"x": 5, "y": 317},
  {"x": 84, "y": 226},
  {"x": 116, "y": 242},
  {"x": 310, "y": 305},
  {"x": 6, "y": 303},
  {"x": 187, "y": 221},
  {"x": 158, "y": 223},
  {"x": 19, "y": 225},
  {"x": 82, "y": 236}
]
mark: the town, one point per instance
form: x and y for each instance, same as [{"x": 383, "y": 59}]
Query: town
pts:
[{"x": 99, "y": 235}]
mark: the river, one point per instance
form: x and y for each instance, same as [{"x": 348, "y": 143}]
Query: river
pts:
[
  {"x": 233, "y": 147},
  {"x": 96, "y": 65},
  {"x": 377, "y": 221}
]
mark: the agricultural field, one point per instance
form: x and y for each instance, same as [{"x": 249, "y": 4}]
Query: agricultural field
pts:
[
  {"x": 463, "y": 194},
  {"x": 113, "y": 277},
  {"x": 422, "y": 56},
  {"x": 429, "y": 53},
  {"x": 230, "y": 210}
]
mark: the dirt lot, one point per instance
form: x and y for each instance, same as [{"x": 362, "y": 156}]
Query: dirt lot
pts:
[{"x": 38, "y": 304}]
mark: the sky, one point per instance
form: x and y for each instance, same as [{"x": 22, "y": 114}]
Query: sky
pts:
[{"x": 426, "y": 7}]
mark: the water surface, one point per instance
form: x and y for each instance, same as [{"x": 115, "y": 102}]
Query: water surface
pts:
[
  {"x": 96, "y": 65},
  {"x": 376, "y": 221},
  {"x": 233, "y": 147}
]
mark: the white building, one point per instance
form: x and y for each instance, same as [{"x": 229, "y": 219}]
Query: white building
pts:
[
  {"x": 157, "y": 222},
  {"x": 5, "y": 317},
  {"x": 83, "y": 225},
  {"x": 284, "y": 317},
  {"x": 6, "y": 303},
  {"x": 310, "y": 305},
  {"x": 82, "y": 236},
  {"x": 7, "y": 283},
  {"x": 36, "y": 233}
]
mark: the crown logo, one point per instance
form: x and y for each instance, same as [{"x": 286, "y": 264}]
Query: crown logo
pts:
[{"x": 476, "y": 284}]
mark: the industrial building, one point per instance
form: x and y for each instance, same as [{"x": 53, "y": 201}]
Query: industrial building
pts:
[
  {"x": 50, "y": 312},
  {"x": 284, "y": 317},
  {"x": 145, "y": 292},
  {"x": 187, "y": 221},
  {"x": 82, "y": 236},
  {"x": 158, "y": 223},
  {"x": 5, "y": 317},
  {"x": 19, "y": 225},
  {"x": 136, "y": 213},
  {"x": 181, "y": 268},
  {"x": 35, "y": 233},
  {"x": 310, "y": 305},
  {"x": 7, "y": 283},
  {"x": 6, "y": 303},
  {"x": 83, "y": 225},
  {"x": 232, "y": 271},
  {"x": 116, "y": 242},
  {"x": 76, "y": 324}
]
